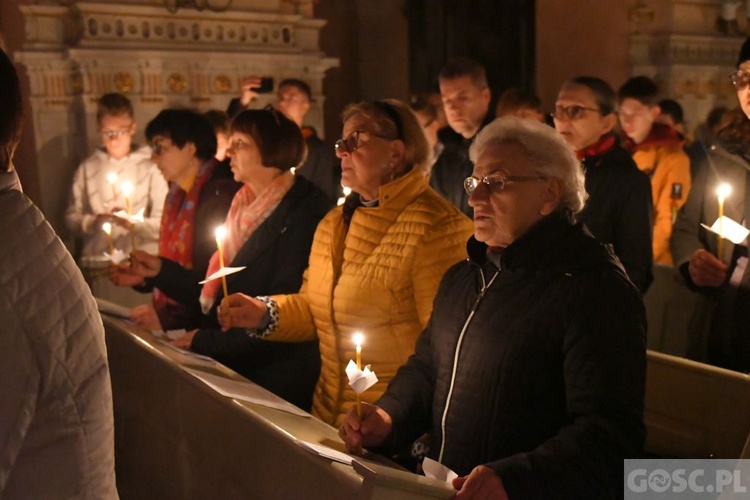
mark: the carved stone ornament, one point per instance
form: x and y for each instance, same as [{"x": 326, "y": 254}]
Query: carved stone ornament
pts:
[
  {"x": 123, "y": 82},
  {"x": 214, "y": 5},
  {"x": 177, "y": 83},
  {"x": 223, "y": 84}
]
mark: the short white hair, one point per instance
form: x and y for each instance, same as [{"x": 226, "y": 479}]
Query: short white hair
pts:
[{"x": 550, "y": 154}]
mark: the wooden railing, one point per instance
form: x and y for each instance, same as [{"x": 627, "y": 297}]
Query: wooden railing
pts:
[{"x": 176, "y": 437}]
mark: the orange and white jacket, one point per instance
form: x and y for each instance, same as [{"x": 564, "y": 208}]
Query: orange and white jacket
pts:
[{"x": 379, "y": 278}]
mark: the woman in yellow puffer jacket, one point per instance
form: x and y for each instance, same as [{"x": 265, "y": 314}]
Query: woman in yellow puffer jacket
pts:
[{"x": 375, "y": 263}]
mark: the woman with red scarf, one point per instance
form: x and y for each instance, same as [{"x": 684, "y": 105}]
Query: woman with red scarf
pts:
[
  {"x": 619, "y": 209},
  {"x": 269, "y": 229},
  {"x": 200, "y": 193}
]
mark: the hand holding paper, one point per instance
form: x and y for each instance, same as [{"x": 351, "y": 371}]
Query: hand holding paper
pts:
[
  {"x": 728, "y": 229},
  {"x": 116, "y": 256}
]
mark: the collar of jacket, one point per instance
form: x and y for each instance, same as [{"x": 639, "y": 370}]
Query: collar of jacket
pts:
[
  {"x": 604, "y": 144},
  {"x": 400, "y": 192},
  {"x": 660, "y": 135},
  {"x": 545, "y": 247}
]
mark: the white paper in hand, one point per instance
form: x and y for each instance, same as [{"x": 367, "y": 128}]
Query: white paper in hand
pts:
[
  {"x": 360, "y": 380},
  {"x": 133, "y": 218},
  {"x": 732, "y": 231},
  {"x": 224, "y": 271},
  {"x": 436, "y": 470},
  {"x": 116, "y": 256}
]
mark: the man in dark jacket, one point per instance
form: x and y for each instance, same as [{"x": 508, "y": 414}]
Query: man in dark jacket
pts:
[
  {"x": 530, "y": 375},
  {"x": 466, "y": 100},
  {"x": 619, "y": 209}
]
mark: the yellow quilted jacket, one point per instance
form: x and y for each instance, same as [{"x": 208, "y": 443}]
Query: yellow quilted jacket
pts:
[{"x": 380, "y": 278}]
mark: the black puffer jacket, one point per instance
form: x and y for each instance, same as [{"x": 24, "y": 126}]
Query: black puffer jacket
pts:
[{"x": 546, "y": 383}]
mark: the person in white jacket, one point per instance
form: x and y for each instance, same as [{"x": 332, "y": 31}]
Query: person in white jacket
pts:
[
  {"x": 102, "y": 180},
  {"x": 56, "y": 418}
]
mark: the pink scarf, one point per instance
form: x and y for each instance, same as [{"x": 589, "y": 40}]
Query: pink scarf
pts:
[{"x": 245, "y": 215}]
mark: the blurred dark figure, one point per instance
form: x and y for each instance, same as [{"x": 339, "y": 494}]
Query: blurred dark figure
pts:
[{"x": 56, "y": 424}]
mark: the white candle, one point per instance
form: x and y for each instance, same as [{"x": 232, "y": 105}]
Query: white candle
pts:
[
  {"x": 358, "y": 339},
  {"x": 722, "y": 192},
  {"x": 220, "y": 232},
  {"x": 112, "y": 179},
  {"x": 107, "y": 227},
  {"x": 127, "y": 190}
]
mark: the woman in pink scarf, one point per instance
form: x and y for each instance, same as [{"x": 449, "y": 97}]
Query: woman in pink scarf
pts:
[{"x": 269, "y": 229}]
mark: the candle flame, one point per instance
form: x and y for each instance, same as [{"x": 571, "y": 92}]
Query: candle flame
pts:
[
  {"x": 112, "y": 177},
  {"x": 126, "y": 188},
  {"x": 107, "y": 227},
  {"x": 220, "y": 232},
  {"x": 358, "y": 339},
  {"x": 347, "y": 191},
  {"x": 724, "y": 190}
]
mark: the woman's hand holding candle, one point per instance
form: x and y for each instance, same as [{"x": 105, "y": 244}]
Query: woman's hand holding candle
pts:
[{"x": 240, "y": 310}]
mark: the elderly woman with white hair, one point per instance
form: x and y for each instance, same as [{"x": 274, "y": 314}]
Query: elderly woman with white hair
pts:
[{"x": 530, "y": 375}]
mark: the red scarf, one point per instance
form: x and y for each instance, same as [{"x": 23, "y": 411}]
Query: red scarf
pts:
[
  {"x": 177, "y": 234},
  {"x": 604, "y": 144}
]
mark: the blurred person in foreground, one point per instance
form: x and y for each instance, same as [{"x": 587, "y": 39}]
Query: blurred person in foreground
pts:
[
  {"x": 530, "y": 374},
  {"x": 56, "y": 424},
  {"x": 376, "y": 261}
]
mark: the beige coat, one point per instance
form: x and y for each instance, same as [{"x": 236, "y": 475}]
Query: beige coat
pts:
[{"x": 56, "y": 425}]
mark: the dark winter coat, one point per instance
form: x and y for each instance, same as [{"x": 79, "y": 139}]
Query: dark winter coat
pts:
[
  {"x": 619, "y": 211},
  {"x": 544, "y": 381}
]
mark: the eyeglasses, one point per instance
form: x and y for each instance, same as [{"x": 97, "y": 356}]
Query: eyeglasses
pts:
[
  {"x": 740, "y": 79},
  {"x": 570, "y": 112},
  {"x": 114, "y": 134},
  {"x": 497, "y": 182},
  {"x": 158, "y": 147},
  {"x": 350, "y": 143}
]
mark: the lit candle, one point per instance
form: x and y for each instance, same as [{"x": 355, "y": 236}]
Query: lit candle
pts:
[
  {"x": 358, "y": 341},
  {"x": 112, "y": 179},
  {"x": 108, "y": 229},
  {"x": 127, "y": 190},
  {"x": 220, "y": 232},
  {"x": 723, "y": 191}
]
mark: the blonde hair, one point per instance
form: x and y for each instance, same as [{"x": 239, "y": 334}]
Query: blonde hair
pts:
[{"x": 417, "y": 149}]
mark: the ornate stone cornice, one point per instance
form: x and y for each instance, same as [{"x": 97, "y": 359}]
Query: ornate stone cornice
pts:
[
  {"x": 124, "y": 27},
  {"x": 671, "y": 49}
]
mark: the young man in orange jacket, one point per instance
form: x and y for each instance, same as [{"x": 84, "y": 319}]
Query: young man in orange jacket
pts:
[{"x": 657, "y": 150}]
